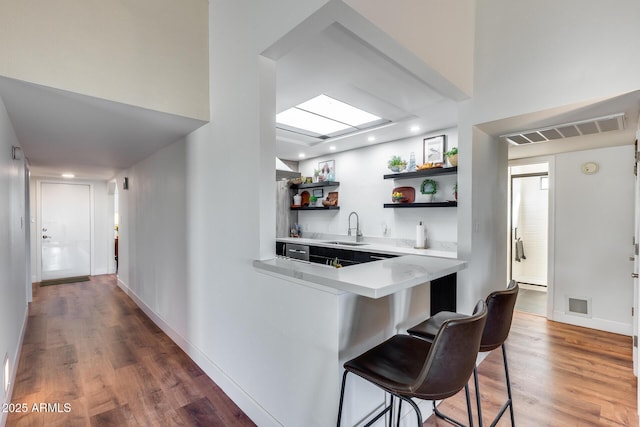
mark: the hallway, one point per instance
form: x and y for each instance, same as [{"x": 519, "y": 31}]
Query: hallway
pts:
[{"x": 92, "y": 351}]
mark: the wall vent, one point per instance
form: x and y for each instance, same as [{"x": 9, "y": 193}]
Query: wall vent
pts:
[
  {"x": 578, "y": 306},
  {"x": 568, "y": 130}
]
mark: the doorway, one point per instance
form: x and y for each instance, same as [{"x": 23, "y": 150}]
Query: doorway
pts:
[
  {"x": 65, "y": 230},
  {"x": 529, "y": 237}
]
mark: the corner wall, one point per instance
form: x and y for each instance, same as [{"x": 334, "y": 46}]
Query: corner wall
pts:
[
  {"x": 148, "y": 53},
  {"x": 13, "y": 256}
]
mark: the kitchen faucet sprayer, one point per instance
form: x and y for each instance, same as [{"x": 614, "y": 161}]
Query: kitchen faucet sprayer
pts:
[{"x": 358, "y": 232}]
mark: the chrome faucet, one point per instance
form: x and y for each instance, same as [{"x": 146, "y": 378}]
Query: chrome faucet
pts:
[{"x": 358, "y": 233}]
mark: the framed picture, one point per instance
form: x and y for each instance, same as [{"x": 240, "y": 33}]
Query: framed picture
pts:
[
  {"x": 327, "y": 170},
  {"x": 318, "y": 192},
  {"x": 433, "y": 149}
]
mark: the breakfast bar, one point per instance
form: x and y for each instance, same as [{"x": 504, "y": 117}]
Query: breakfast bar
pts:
[{"x": 372, "y": 302}]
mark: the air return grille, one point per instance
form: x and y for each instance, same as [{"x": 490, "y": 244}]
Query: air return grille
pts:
[
  {"x": 568, "y": 130},
  {"x": 578, "y": 306}
]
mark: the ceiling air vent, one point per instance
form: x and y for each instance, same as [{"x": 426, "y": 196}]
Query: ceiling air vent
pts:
[{"x": 568, "y": 130}]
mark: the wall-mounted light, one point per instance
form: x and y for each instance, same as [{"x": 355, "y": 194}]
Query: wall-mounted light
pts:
[
  {"x": 125, "y": 183},
  {"x": 16, "y": 153},
  {"x": 68, "y": 175}
]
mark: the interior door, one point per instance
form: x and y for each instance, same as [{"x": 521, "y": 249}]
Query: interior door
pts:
[
  {"x": 636, "y": 266},
  {"x": 65, "y": 230}
]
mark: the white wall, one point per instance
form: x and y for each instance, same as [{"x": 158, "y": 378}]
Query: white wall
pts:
[
  {"x": 415, "y": 21},
  {"x": 363, "y": 190},
  {"x": 148, "y": 53},
  {"x": 582, "y": 54},
  {"x": 102, "y": 249},
  {"x": 531, "y": 56},
  {"x": 13, "y": 257},
  {"x": 593, "y": 237},
  {"x": 206, "y": 294}
]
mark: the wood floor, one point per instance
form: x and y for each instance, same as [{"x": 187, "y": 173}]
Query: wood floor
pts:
[
  {"x": 88, "y": 345},
  {"x": 561, "y": 375}
]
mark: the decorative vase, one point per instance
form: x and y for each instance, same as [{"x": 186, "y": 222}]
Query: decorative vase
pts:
[{"x": 453, "y": 160}]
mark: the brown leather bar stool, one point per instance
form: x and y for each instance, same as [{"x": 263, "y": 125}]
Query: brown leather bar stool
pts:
[
  {"x": 407, "y": 367},
  {"x": 500, "y": 306}
]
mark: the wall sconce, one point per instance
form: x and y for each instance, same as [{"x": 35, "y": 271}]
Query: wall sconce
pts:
[
  {"x": 16, "y": 153},
  {"x": 125, "y": 183}
]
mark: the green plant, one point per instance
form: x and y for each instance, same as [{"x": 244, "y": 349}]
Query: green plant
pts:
[
  {"x": 397, "y": 162},
  {"x": 313, "y": 199},
  {"x": 316, "y": 172},
  {"x": 451, "y": 152},
  {"x": 429, "y": 186}
]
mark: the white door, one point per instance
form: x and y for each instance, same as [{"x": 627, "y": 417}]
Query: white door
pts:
[
  {"x": 65, "y": 230},
  {"x": 636, "y": 266}
]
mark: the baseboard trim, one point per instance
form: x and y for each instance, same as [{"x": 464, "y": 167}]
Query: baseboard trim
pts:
[
  {"x": 248, "y": 405},
  {"x": 14, "y": 370},
  {"x": 594, "y": 323}
]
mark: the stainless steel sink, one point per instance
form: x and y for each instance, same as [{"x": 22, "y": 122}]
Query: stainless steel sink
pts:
[{"x": 346, "y": 243}]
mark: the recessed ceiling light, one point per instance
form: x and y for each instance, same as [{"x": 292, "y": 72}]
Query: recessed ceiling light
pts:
[
  {"x": 415, "y": 128},
  {"x": 371, "y": 138},
  {"x": 332, "y": 148},
  {"x": 68, "y": 175},
  {"x": 301, "y": 155}
]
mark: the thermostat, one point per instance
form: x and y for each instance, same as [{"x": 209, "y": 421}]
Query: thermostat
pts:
[{"x": 589, "y": 168}]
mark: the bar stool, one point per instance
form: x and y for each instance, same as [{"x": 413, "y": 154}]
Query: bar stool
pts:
[
  {"x": 500, "y": 305},
  {"x": 407, "y": 367}
]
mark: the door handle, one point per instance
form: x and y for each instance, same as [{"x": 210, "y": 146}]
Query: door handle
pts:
[
  {"x": 44, "y": 236},
  {"x": 634, "y": 275}
]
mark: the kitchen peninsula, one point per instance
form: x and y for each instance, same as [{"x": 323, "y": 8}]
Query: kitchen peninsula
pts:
[{"x": 367, "y": 303}]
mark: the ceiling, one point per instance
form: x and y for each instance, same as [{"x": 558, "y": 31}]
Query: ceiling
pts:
[
  {"x": 339, "y": 64},
  {"x": 92, "y": 138}
]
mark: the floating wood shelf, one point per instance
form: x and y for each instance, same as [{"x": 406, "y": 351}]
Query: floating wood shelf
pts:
[
  {"x": 423, "y": 172},
  {"x": 422, "y": 205},
  {"x": 314, "y": 208},
  {"x": 317, "y": 184}
]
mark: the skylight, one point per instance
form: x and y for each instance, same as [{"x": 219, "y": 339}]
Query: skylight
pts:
[{"x": 324, "y": 116}]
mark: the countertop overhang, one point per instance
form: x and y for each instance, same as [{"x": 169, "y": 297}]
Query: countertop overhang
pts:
[{"x": 373, "y": 279}]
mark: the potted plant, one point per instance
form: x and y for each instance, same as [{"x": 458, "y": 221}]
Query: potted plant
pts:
[
  {"x": 452, "y": 156},
  {"x": 396, "y": 164},
  {"x": 429, "y": 187},
  {"x": 455, "y": 191},
  {"x": 313, "y": 201},
  {"x": 316, "y": 174}
]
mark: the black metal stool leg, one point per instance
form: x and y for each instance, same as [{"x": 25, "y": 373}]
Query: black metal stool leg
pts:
[
  {"x": 399, "y": 412},
  {"x": 451, "y": 420},
  {"x": 509, "y": 402},
  {"x": 478, "y": 404}
]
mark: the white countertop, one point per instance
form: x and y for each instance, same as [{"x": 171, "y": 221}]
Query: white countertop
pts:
[
  {"x": 370, "y": 247},
  {"x": 372, "y": 279}
]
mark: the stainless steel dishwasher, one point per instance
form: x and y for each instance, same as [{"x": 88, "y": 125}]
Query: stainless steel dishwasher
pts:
[{"x": 297, "y": 251}]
